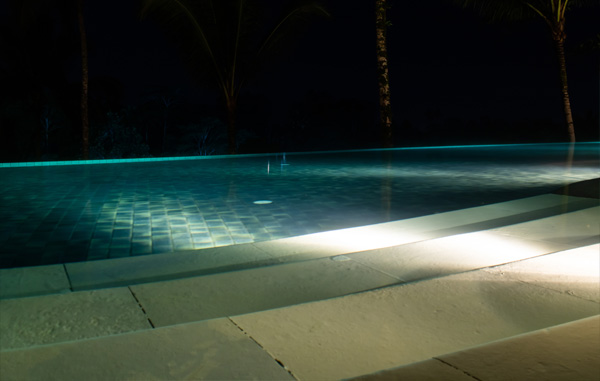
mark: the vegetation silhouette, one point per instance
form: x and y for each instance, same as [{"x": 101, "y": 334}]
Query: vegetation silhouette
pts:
[
  {"x": 224, "y": 43},
  {"x": 35, "y": 102},
  {"x": 385, "y": 106},
  {"x": 85, "y": 123},
  {"x": 553, "y": 12}
]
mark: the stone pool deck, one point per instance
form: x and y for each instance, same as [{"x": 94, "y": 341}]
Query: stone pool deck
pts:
[{"x": 503, "y": 291}]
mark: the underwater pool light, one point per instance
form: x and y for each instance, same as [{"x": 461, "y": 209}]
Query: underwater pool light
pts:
[{"x": 263, "y": 202}]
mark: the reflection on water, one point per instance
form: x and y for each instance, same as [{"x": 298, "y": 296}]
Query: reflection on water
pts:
[
  {"x": 386, "y": 186},
  {"x": 85, "y": 212}
]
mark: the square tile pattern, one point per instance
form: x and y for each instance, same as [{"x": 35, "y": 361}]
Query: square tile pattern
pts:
[{"x": 60, "y": 214}]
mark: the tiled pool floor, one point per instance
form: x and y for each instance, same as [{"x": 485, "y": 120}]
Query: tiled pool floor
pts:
[{"x": 86, "y": 212}]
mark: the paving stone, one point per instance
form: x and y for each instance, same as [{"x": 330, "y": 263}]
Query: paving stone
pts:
[
  {"x": 363, "y": 333},
  {"x": 452, "y": 254},
  {"x": 568, "y": 228},
  {"x": 239, "y": 292},
  {"x": 566, "y": 352},
  {"x": 156, "y": 267},
  {"x": 574, "y": 272},
  {"x": 428, "y": 370},
  {"x": 39, "y": 280},
  {"x": 48, "y": 319},
  {"x": 212, "y": 350}
]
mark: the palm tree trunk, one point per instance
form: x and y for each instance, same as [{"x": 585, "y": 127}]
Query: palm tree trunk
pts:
[
  {"x": 231, "y": 128},
  {"x": 385, "y": 108},
  {"x": 165, "y": 118},
  {"x": 560, "y": 51},
  {"x": 84, "y": 84}
]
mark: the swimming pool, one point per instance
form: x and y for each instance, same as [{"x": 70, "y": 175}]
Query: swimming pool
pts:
[{"x": 83, "y": 212}]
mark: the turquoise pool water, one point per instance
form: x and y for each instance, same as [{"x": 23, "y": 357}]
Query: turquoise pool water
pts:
[{"x": 81, "y": 212}]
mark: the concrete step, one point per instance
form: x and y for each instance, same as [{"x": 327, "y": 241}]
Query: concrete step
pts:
[{"x": 352, "y": 335}]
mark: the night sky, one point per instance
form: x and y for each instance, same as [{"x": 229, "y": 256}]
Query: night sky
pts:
[
  {"x": 446, "y": 64},
  {"x": 440, "y": 56}
]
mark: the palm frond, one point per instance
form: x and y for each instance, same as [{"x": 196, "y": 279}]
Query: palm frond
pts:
[
  {"x": 498, "y": 10},
  {"x": 292, "y": 17},
  {"x": 586, "y": 47},
  {"x": 181, "y": 19},
  {"x": 231, "y": 39},
  {"x": 515, "y": 10}
]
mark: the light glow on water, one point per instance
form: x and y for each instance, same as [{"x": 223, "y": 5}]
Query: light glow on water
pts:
[{"x": 65, "y": 213}]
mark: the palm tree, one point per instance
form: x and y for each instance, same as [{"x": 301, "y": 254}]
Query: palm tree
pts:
[
  {"x": 226, "y": 41},
  {"x": 553, "y": 12},
  {"x": 385, "y": 108},
  {"x": 85, "y": 127}
]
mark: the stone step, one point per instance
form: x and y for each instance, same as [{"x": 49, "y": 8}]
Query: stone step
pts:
[
  {"x": 393, "y": 326},
  {"x": 561, "y": 353},
  {"x": 347, "y": 336}
]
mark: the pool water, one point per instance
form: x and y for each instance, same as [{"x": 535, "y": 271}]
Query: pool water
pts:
[{"x": 59, "y": 214}]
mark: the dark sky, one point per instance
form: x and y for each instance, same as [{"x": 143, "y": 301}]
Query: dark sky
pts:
[{"x": 442, "y": 59}]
